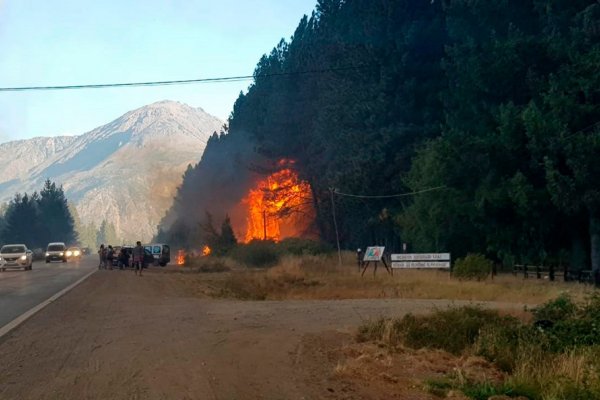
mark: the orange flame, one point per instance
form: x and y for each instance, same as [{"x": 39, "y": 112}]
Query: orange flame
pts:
[
  {"x": 206, "y": 251},
  {"x": 278, "y": 206},
  {"x": 180, "y": 257}
]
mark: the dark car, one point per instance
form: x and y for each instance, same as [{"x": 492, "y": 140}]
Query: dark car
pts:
[
  {"x": 56, "y": 252},
  {"x": 157, "y": 254},
  {"x": 123, "y": 256},
  {"x": 74, "y": 254}
]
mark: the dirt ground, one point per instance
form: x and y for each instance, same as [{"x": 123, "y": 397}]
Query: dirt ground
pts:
[{"x": 118, "y": 336}]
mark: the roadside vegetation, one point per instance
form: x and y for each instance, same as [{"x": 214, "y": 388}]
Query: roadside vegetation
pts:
[
  {"x": 304, "y": 269},
  {"x": 552, "y": 355}
]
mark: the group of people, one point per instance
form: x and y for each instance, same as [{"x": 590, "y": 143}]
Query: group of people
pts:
[{"x": 107, "y": 257}]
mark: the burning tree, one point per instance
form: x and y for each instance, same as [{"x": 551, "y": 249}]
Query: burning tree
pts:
[{"x": 279, "y": 206}]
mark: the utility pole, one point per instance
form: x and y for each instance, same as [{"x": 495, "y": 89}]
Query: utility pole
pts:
[
  {"x": 264, "y": 224},
  {"x": 337, "y": 236}
]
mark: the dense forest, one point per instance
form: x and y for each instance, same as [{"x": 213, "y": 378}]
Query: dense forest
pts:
[
  {"x": 496, "y": 104},
  {"x": 38, "y": 219}
]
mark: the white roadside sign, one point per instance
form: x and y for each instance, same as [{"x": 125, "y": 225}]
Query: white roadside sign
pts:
[
  {"x": 421, "y": 264},
  {"x": 373, "y": 253},
  {"x": 421, "y": 257}
]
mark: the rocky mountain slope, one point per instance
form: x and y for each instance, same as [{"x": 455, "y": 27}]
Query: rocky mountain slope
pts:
[{"x": 124, "y": 172}]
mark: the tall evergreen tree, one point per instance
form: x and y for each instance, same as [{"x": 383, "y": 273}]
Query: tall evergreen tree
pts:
[
  {"x": 22, "y": 221},
  {"x": 58, "y": 224},
  {"x": 227, "y": 239}
]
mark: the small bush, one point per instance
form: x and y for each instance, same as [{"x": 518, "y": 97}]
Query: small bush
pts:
[
  {"x": 301, "y": 247},
  {"x": 213, "y": 266},
  {"x": 256, "y": 254},
  {"x": 473, "y": 266},
  {"x": 372, "y": 330},
  {"x": 499, "y": 343},
  {"x": 559, "y": 309},
  {"x": 453, "y": 330},
  {"x": 568, "y": 324}
]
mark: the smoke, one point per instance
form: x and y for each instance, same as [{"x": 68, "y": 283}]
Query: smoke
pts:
[
  {"x": 230, "y": 170},
  {"x": 216, "y": 185}
]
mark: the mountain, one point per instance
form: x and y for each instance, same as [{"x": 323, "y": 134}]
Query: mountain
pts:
[{"x": 125, "y": 172}]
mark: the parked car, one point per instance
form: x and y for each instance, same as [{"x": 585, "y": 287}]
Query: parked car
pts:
[
  {"x": 157, "y": 254},
  {"x": 115, "y": 260},
  {"x": 125, "y": 256},
  {"x": 56, "y": 252},
  {"x": 15, "y": 256},
  {"x": 73, "y": 254}
]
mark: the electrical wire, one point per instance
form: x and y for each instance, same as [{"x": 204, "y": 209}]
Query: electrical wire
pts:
[
  {"x": 388, "y": 196},
  {"x": 179, "y": 82},
  {"x": 579, "y": 131}
]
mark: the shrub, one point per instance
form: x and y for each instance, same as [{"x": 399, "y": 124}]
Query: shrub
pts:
[
  {"x": 499, "y": 343},
  {"x": 257, "y": 254},
  {"x": 568, "y": 324},
  {"x": 452, "y": 330},
  {"x": 372, "y": 330},
  {"x": 473, "y": 266},
  {"x": 556, "y": 310},
  {"x": 300, "y": 247},
  {"x": 213, "y": 265}
]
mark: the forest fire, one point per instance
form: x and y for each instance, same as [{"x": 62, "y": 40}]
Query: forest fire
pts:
[
  {"x": 206, "y": 251},
  {"x": 279, "y": 206},
  {"x": 180, "y": 257}
]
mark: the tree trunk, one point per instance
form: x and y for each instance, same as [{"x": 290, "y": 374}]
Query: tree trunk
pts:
[{"x": 595, "y": 241}]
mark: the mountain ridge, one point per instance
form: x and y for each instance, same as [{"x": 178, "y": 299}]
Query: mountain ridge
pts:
[{"x": 127, "y": 167}]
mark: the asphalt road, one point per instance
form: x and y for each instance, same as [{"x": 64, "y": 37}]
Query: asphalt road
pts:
[{"x": 23, "y": 290}]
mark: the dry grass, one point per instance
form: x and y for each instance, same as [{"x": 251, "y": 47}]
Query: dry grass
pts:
[
  {"x": 518, "y": 356},
  {"x": 320, "y": 277},
  {"x": 573, "y": 374}
]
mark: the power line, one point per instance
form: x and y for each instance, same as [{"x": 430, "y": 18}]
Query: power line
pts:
[
  {"x": 579, "y": 131},
  {"x": 388, "y": 196},
  {"x": 179, "y": 82}
]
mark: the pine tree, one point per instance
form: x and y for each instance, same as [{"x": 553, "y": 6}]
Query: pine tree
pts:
[
  {"x": 21, "y": 221},
  {"x": 58, "y": 224},
  {"x": 227, "y": 239}
]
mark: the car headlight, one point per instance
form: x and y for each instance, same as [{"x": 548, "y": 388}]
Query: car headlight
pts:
[
  {"x": 47, "y": 254},
  {"x": 23, "y": 257},
  {"x": 61, "y": 254},
  {"x": 69, "y": 253},
  {"x": 76, "y": 253}
]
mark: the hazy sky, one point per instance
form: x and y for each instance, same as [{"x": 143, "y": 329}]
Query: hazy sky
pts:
[{"x": 62, "y": 42}]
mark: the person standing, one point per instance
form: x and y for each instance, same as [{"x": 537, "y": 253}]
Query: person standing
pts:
[
  {"x": 138, "y": 258},
  {"x": 110, "y": 256},
  {"x": 100, "y": 252}
]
